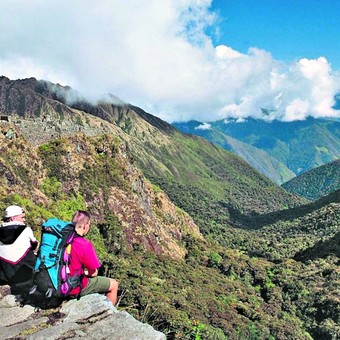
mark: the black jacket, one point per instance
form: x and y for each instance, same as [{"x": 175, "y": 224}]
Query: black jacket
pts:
[{"x": 18, "y": 276}]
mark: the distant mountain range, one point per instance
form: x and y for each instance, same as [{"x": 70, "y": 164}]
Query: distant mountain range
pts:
[
  {"x": 316, "y": 182},
  {"x": 296, "y": 146}
]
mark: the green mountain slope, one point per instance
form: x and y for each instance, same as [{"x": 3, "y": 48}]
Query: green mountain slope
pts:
[
  {"x": 257, "y": 158},
  {"x": 317, "y": 182},
  {"x": 212, "y": 185},
  {"x": 299, "y": 145},
  {"x": 322, "y": 249},
  {"x": 299, "y": 228}
]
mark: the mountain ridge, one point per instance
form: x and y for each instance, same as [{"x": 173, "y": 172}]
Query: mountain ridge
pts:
[
  {"x": 299, "y": 145},
  {"x": 317, "y": 182},
  {"x": 160, "y": 155},
  {"x": 257, "y": 158}
]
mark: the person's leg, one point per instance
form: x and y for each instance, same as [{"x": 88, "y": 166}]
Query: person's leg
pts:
[
  {"x": 101, "y": 284},
  {"x": 113, "y": 291}
]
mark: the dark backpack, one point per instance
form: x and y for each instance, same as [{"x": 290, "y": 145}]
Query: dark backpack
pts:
[
  {"x": 51, "y": 274},
  {"x": 18, "y": 275}
]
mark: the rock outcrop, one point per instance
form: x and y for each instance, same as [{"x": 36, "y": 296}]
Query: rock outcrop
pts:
[{"x": 91, "y": 317}]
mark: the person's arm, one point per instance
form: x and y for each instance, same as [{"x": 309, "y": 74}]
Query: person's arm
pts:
[
  {"x": 35, "y": 246},
  {"x": 91, "y": 273},
  {"x": 90, "y": 261},
  {"x": 34, "y": 242}
]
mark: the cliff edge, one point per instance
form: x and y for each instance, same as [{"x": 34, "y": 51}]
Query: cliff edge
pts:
[{"x": 91, "y": 317}]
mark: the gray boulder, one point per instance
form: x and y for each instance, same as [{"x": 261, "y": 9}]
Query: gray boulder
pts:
[{"x": 91, "y": 317}]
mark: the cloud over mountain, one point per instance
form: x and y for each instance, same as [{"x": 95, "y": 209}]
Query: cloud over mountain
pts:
[{"x": 158, "y": 55}]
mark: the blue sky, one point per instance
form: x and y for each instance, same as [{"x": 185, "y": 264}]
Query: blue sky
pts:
[
  {"x": 181, "y": 59},
  {"x": 289, "y": 29}
]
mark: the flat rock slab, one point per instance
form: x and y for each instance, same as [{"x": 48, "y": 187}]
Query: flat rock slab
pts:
[
  {"x": 87, "y": 308},
  {"x": 13, "y": 315},
  {"x": 122, "y": 326},
  {"x": 91, "y": 317},
  {"x": 10, "y": 301},
  {"x": 101, "y": 320},
  {"x": 22, "y": 327},
  {"x": 60, "y": 331}
]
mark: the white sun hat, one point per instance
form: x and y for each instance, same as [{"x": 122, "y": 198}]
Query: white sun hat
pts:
[{"x": 13, "y": 210}]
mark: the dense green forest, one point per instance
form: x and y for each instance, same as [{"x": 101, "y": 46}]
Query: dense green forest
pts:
[{"x": 317, "y": 182}]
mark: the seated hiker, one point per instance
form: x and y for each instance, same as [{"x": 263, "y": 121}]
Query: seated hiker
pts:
[
  {"x": 17, "y": 251},
  {"x": 84, "y": 260}
]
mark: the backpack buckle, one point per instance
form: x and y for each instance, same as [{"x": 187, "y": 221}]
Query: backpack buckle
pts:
[{"x": 49, "y": 292}]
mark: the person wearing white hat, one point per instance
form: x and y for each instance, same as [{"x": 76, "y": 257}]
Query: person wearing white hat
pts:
[{"x": 17, "y": 251}]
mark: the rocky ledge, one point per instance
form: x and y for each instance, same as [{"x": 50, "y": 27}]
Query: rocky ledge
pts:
[{"x": 91, "y": 317}]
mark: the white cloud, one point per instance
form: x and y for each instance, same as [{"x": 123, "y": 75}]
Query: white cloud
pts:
[
  {"x": 287, "y": 92},
  {"x": 225, "y": 53},
  {"x": 203, "y": 126},
  {"x": 155, "y": 54},
  {"x": 296, "y": 110}
]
